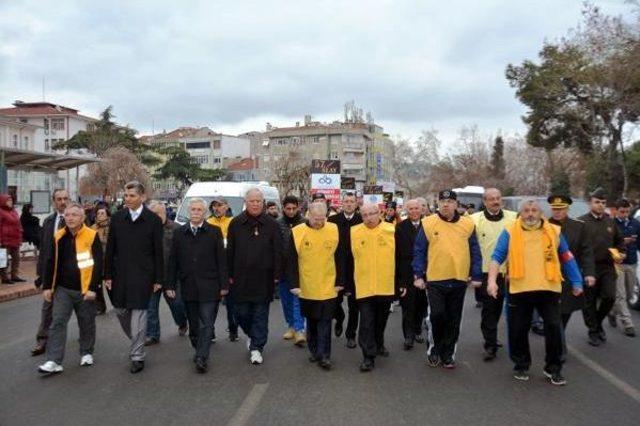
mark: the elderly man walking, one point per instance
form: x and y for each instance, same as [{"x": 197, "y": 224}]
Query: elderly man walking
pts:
[
  {"x": 134, "y": 267},
  {"x": 176, "y": 306},
  {"x": 72, "y": 276},
  {"x": 446, "y": 253},
  {"x": 198, "y": 258},
  {"x": 414, "y": 303},
  {"x": 254, "y": 258},
  {"x": 373, "y": 244},
  {"x": 489, "y": 225},
  {"x": 538, "y": 257},
  {"x": 315, "y": 263}
]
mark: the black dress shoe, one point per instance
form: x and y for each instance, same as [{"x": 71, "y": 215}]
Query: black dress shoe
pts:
[
  {"x": 201, "y": 365},
  {"x": 18, "y": 280},
  {"x": 383, "y": 352},
  {"x": 351, "y": 343},
  {"x": 325, "y": 364},
  {"x": 408, "y": 344},
  {"x": 367, "y": 365},
  {"x": 38, "y": 350},
  {"x": 233, "y": 337},
  {"x": 602, "y": 336},
  {"x": 490, "y": 354},
  {"x": 137, "y": 366},
  {"x": 7, "y": 282},
  {"x": 313, "y": 358},
  {"x": 150, "y": 341},
  {"x": 594, "y": 340},
  {"x": 338, "y": 329},
  {"x": 419, "y": 338}
]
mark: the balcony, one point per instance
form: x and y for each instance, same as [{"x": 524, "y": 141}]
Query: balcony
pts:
[{"x": 353, "y": 147}]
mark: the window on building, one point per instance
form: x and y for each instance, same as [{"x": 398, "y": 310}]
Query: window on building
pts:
[
  {"x": 57, "y": 123},
  {"x": 47, "y": 147},
  {"x": 15, "y": 141},
  {"x": 216, "y": 160},
  {"x": 46, "y": 124},
  {"x": 216, "y": 144},
  {"x": 198, "y": 145},
  {"x": 202, "y": 159},
  {"x": 265, "y": 143},
  {"x": 23, "y": 120},
  {"x": 26, "y": 142}
]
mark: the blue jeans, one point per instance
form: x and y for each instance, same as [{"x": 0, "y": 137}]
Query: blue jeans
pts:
[
  {"x": 253, "y": 318},
  {"x": 290, "y": 306},
  {"x": 153, "y": 314}
]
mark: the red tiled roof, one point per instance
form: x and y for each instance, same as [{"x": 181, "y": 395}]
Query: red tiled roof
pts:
[
  {"x": 38, "y": 108},
  {"x": 244, "y": 164}
]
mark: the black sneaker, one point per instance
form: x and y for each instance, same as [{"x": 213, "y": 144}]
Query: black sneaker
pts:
[
  {"x": 449, "y": 364},
  {"x": 418, "y": 338},
  {"x": 351, "y": 343},
  {"x": 521, "y": 374},
  {"x": 338, "y": 329},
  {"x": 312, "y": 358},
  {"x": 201, "y": 365},
  {"x": 630, "y": 332},
  {"x": 325, "y": 364},
  {"x": 602, "y": 336},
  {"x": 18, "y": 280},
  {"x": 556, "y": 379},
  {"x": 433, "y": 360},
  {"x": 594, "y": 339},
  {"x": 233, "y": 337},
  {"x": 408, "y": 344}
]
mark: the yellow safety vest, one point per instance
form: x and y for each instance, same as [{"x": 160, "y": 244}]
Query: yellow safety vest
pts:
[
  {"x": 449, "y": 257},
  {"x": 488, "y": 233},
  {"x": 220, "y": 222},
  {"x": 374, "y": 254},
  {"x": 316, "y": 263},
  {"x": 84, "y": 241}
]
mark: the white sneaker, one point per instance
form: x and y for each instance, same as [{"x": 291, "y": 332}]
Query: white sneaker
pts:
[
  {"x": 86, "y": 360},
  {"x": 256, "y": 358},
  {"x": 50, "y": 367}
]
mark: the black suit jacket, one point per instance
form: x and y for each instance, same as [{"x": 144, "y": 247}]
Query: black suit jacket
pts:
[
  {"x": 134, "y": 259},
  {"x": 405, "y": 237},
  {"x": 344, "y": 230},
  {"x": 199, "y": 262},
  {"x": 46, "y": 243}
]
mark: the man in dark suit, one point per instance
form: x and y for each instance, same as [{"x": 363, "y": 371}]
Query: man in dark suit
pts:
[
  {"x": 254, "y": 259},
  {"x": 51, "y": 224},
  {"x": 345, "y": 220},
  {"x": 134, "y": 267},
  {"x": 198, "y": 260},
  {"x": 414, "y": 302}
]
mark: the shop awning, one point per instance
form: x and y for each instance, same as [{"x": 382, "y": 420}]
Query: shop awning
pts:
[{"x": 22, "y": 159}]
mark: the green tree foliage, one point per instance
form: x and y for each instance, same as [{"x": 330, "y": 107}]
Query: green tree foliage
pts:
[
  {"x": 560, "y": 183},
  {"x": 498, "y": 167},
  {"x": 179, "y": 165},
  {"x": 104, "y": 135},
  {"x": 584, "y": 90}
]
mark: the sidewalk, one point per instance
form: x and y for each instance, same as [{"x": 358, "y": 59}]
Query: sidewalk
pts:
[{"x": 15, "y": 291}]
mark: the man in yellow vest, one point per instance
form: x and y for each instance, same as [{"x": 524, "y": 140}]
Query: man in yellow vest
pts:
[
  {"x": 315, "y": 264},
  {"x": 374, "y": 257},
  {"x": 446, "y": 252},
  {"x": 72, "y": 277},
  {"x": 538, "y": 257},
  {"x": 489, "y": 225},
  {"x": 219, "y": 208}
]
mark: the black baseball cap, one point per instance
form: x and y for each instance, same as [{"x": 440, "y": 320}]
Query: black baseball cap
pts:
[
  {"x": 447, "y": 194},
  {"x": 318, "y": 196}
]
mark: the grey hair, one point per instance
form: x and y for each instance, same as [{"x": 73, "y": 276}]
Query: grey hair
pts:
[
  {"x": 318, "y": 207},
  {"x": 413, "y": 200},
  {"x": 488, "y": 190},
  {"x": 369, "y": 206},
  {"x": 75, "y": 206},
  {"x": 197, "y": 200},
  {"x": 253, "y": 190},
  {"x": 528, "y": 202},
  {"x": 134, "y": 184}
]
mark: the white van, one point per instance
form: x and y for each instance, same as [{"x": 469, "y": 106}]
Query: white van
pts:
[{"x": 233, "y": 192}]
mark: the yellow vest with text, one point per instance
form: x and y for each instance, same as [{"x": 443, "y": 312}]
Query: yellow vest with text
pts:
[
  {"x": 220, "y": 222},
  {"x": 534, "y": 278},
  {"x": 84, "y": 241},
  {"x": 448, "y": 256},
  {"x": 316, "y": 263},
  {"x": 488, "y": 232},
  {"x": 374, "y": 258}
]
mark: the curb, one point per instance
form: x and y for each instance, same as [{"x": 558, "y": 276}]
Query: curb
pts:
[{"x": 19, "y": 294}]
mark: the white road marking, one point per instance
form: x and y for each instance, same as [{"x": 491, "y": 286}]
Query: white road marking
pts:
[
  {"x": 249, "y": 405},
  {"x": 623, "y": 386}
]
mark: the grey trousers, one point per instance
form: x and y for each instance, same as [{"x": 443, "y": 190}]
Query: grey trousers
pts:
[
  {"x": 45, "y": 323},
  {"x": 624, "y": 289},
  {"x": 66, "y": 301},
  {"x": 134, "y": 325}
]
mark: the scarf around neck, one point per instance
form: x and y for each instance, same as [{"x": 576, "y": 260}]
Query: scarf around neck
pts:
[{"x": 549, "y": 247}]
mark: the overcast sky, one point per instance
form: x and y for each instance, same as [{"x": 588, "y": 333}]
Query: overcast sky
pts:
[{"x": 235, "y": 65}]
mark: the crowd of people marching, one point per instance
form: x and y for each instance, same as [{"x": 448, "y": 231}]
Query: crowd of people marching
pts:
[{"x": 543, "y": 267}]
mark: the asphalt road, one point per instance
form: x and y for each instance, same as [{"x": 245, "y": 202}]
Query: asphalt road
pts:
[{"x": 603, "y": 388}]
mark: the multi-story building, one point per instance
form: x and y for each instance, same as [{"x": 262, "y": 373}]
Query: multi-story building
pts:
[
  {"x": 43, "y": 124},
  {"x": 210, "y": 149},
  {"x": 364, "y": 150}
]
